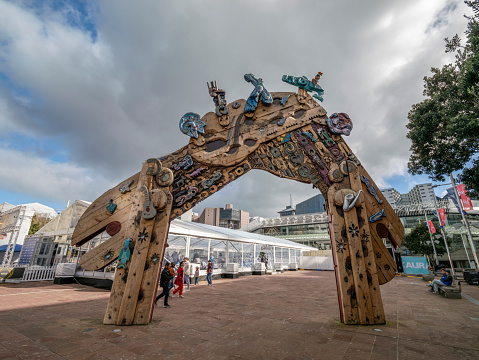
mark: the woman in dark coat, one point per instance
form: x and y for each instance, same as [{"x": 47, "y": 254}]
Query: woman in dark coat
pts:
[
  {"x": 179, "y": 280},
  {"x": 165, "y": 283}
]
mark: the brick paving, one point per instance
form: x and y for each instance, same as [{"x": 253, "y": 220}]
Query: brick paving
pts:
[{"x": 289, "y": 316}]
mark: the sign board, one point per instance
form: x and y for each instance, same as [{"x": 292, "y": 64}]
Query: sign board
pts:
[
  {"x": 27, "y": 250},
  {"x": 414, "y": 265}
]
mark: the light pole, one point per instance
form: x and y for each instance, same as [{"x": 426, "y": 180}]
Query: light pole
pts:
[{"x": 471, "y": 241}]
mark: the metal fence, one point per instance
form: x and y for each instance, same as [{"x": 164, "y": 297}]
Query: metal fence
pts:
[{"x": 39, "y": 273}]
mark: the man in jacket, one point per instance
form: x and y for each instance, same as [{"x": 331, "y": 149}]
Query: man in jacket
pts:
[
  {"x": 445, "y": 280},
  {"x": 165, "y": 279}
]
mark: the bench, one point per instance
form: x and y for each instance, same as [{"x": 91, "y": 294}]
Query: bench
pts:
[{"x": 451, "y": 292}]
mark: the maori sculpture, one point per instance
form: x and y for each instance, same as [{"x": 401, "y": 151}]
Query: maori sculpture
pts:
[
  {"x": 219, "y": 98},
  {"x": 288, "y": 135},
  {"x": 303, "y": 83},
  {"x": 340, "y": 124},
  {"x": 191, "y": 125},
  {"x": 259, "y": 92}
]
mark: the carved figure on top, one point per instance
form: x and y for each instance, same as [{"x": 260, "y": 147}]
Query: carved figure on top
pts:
[
  {"x": 259, "y": 91},
  {"x": 303, "y": 83},
  {"x": 340, "y": 123},
  {"x": 191, "y": 125},
  {"x": 219, "y": 98}
]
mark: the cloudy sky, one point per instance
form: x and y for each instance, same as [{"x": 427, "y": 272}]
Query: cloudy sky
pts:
[{"x": 89, "y": 90}]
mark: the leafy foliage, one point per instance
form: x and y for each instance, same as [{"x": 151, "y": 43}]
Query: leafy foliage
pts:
[
  {"x": 444, "y": 128},
  {"x": 418, "y": 241},
  {"x": 38, "y": 221}
]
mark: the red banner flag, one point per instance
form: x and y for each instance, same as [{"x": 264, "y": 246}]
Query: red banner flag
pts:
[
  {"x": 466, "y": 201},
  {"x": 431, "y": 227},
  {"x": 442, "y": 216}
]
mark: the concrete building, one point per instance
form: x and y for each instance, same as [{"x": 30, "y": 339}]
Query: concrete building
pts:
[
  {"x": 15, "y": 223},
  {"x": 226, "y": 217},
  {"x": 312, "y": 205},
  {"x": 288, "y": 211},
  {"x": 419, "y": 194}
]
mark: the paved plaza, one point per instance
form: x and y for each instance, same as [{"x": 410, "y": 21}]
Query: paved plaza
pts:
[{"x": 288, "y": 316}]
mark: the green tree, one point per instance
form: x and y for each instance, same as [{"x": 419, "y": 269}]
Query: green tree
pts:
[
  {"x": 418, "y": 241},
  {"x": 444, "y": 127}
]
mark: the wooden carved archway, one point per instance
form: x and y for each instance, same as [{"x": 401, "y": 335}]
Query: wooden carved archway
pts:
[{"x": 286, "y": 134}]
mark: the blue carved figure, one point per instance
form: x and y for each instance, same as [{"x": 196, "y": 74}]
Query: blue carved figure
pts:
[
  {"x": 259, "y": 91},
  {"x": 303, "y": 83},
  {"x": 124, "y": 255},
  {"x": 371, "y": 188},
  {"x": 191, "y": 125},
  {"x": 378, "y": 216},
  {"x": 111, "y": 207}
]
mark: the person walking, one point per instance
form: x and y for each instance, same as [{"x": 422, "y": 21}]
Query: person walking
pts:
[
  {"x": 209, "y": 273},
  {"x": 173, "y": 273},
  {"x": 165, "y": 278},
  {"x": 197, "y": 275},
  {"x": 179, "y": 280},
  {"x": 187, "y": 269}
]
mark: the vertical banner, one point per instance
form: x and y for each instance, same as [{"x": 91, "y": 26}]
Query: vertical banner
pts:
[
  {"x": 442, "y": 217},
  {"x": 452, "y": 196},
  {"x": 466, "y": 201},
  {"x": 431, "y": 227}
]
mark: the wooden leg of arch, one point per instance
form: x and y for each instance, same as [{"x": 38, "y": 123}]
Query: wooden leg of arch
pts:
[
  {"x": 134, "y": 288},
  {"x": 355, "y": 267}
]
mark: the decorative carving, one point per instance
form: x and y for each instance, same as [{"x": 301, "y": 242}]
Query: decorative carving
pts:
[
  {"x": 347, "y": 167},
  {"x": 124, "y": 255},
  {"x": 258, "y": 92},
  {"x": 353, "y": 230},
  {"x": 184, "y": 164},
  {"x": 184, "y": 198},
  {"x": 382, "y": 231},
  {"x": 341, "y": 246},
  {"x": 334, "y": 174},
  {"x": 143, "y": 235},
  {"x": 165, "y": 177},
  {"x": 191, "y": 125},
  {"x": 284, "y": 100},
  {"x": 126, "y": 187},
  {"x": 377, "y": 216},
  {"x": 350, "y": 200},
  {"x": 303, "y": 83},
  {"x": 212, "y": 180},
  {"x": 218, "y": 95},
  {"x": 235, "y": 105},
  {"x": 151, "y": 170},
  {"x": 371, "y": 188},
  {"x": 113, "y": 228},
  {"x": 111, "y": 207},
  {"x": 284, "y": 138},
  {"x": 196, "y": 172},
  {"x": 340, "y": 123},
  {"x": 149, "y": 211}
]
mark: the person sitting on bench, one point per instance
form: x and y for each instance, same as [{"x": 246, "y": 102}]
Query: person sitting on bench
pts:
[{"x": 445, "y": 280}]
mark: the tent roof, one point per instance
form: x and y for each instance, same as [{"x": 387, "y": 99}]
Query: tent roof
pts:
[{"x": 180, "y": 227}]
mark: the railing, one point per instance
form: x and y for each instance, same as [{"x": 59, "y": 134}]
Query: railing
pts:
[{"x": 39, "y": 273}]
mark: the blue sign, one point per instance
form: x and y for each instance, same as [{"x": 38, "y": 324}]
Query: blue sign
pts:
[
  {"x": 27, "y": 250},
  {"x": 414, "y": 265}
]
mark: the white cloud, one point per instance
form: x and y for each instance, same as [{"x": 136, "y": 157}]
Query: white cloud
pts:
[{"x": 117, "y": 100}]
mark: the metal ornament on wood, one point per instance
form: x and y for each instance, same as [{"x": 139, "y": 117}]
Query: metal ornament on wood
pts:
[
  {"x": 219, "y": 98},
  {"x": 258, "y": 93},
  {"x": 124, "y": 255},
  {"x": 303, "y": 83},
  {"x": 191, "y": 125}
]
